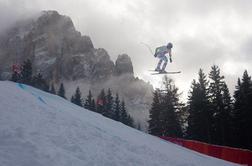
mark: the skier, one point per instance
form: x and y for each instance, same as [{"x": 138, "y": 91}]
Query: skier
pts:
[{"x": 160, "y": 53}]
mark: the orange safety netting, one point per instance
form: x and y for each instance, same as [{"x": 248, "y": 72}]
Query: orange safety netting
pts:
[{"x": 240, "y": 156}]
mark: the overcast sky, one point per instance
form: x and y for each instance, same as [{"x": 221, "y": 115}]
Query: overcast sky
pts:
[{"x": 203, "y": 32}]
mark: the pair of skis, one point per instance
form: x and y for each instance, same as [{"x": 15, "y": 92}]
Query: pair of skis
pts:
[{"x": 154, "y": 72}]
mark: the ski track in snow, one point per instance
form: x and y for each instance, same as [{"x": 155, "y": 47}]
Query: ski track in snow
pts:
[{"x": 41, "y": 129}]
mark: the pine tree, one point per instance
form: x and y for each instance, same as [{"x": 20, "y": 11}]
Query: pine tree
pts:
[
  {"x": 220, "y": 114},
  {"x": 26, "y": 72},
  {"x": 109, "y": 104},
  {"x": 170, "y": 105},
  {"x": 139, "y": 127},
  {"x": 72, "y": 99},
  {"x": 154, "y": 122},
  {"x": 237, "y": 115},
  {"x": 15, "y": 77},
  {"x": 227, "y": 116},
  {"x": 130, "y": 121},
  {"x": 93, "y": 106},
  {"x": 39, "y": 82},
  {"x": 193, "y": 118},
  {"x": 101, "y": 103},
  {"x": 61, "y": 91},
  {"x": 183, "y": 118},
  {"x": 76, "y": 98},
  {"x": 52, "y": 89},
  {"x": 89, "y": 102},
  {"x": 124, "y": 116},
  {"x": 199, "y": 119},
  {"x": 243, "y": 112},
  {"x": 117, "y": 108}
]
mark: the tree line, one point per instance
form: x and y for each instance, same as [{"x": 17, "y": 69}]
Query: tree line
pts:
[
  {"x": 210, "y": 115},
  {"x": 105, "y": 104},
  {"x": 24, "y": 75}
]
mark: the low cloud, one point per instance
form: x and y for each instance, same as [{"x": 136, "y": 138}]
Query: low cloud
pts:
[{"x": 203, "y": 32}]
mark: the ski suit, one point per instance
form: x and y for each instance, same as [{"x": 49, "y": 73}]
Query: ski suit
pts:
[{"x": 160, "y": 53}]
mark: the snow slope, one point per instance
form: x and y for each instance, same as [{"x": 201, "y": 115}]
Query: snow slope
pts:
[{"x": 40, "y": 129}]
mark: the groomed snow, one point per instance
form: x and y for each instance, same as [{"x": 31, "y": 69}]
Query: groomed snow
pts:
[{"x": 40, "y": 129}]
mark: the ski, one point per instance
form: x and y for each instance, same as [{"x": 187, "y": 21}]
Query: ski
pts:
[{"x": 166, "y": 72}]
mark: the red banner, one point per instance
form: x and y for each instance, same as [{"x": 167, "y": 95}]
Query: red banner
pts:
[{"x": 235, "y": 155}]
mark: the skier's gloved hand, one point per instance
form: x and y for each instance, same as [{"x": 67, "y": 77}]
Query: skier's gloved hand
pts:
[{"x": 170, "y": 59}]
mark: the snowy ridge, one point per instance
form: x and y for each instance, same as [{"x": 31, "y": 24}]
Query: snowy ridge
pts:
[{"x": 40, "y": 129}]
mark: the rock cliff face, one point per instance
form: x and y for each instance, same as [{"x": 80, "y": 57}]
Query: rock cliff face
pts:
[
  {"x": 62, "y": 54},
  {"x": 55, "y": 48},
  {"x": 123, "y": 65}
]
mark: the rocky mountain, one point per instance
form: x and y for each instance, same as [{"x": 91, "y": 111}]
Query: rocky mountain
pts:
[
  {"x": 62, "y": 54},
  {"x": 123, "y": 65}
]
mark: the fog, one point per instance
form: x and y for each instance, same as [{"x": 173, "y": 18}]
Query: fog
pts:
[{"x": 203, "y": 32}]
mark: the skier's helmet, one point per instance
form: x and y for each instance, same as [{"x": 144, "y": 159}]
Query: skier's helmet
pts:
[{"x": 169, "y": 45}]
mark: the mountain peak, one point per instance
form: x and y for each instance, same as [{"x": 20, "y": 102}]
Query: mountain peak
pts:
[
  {"x": 123, "y": 65},
  {"x": 51, "y": 20},
  {"x": 50, "y": 40},
  {"x": 50, "y": 12}
]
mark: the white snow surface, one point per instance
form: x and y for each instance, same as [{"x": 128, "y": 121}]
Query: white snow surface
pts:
[{"x": 40, "y": 129}]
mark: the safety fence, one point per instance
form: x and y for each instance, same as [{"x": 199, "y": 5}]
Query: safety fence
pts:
[{"x": 235, "y": 155}]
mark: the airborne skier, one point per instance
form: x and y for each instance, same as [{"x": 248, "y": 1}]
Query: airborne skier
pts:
[{"x": 160, "y": 53}]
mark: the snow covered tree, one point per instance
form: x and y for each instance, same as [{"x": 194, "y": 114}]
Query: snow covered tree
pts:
[
  {"x": 242, "y": 114},
  {"x": 61, "y": 91},
  {"x": 221, "y": 114},
  {"x": 154, "y": 122},
  {"x": 76, "y": 98}
]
